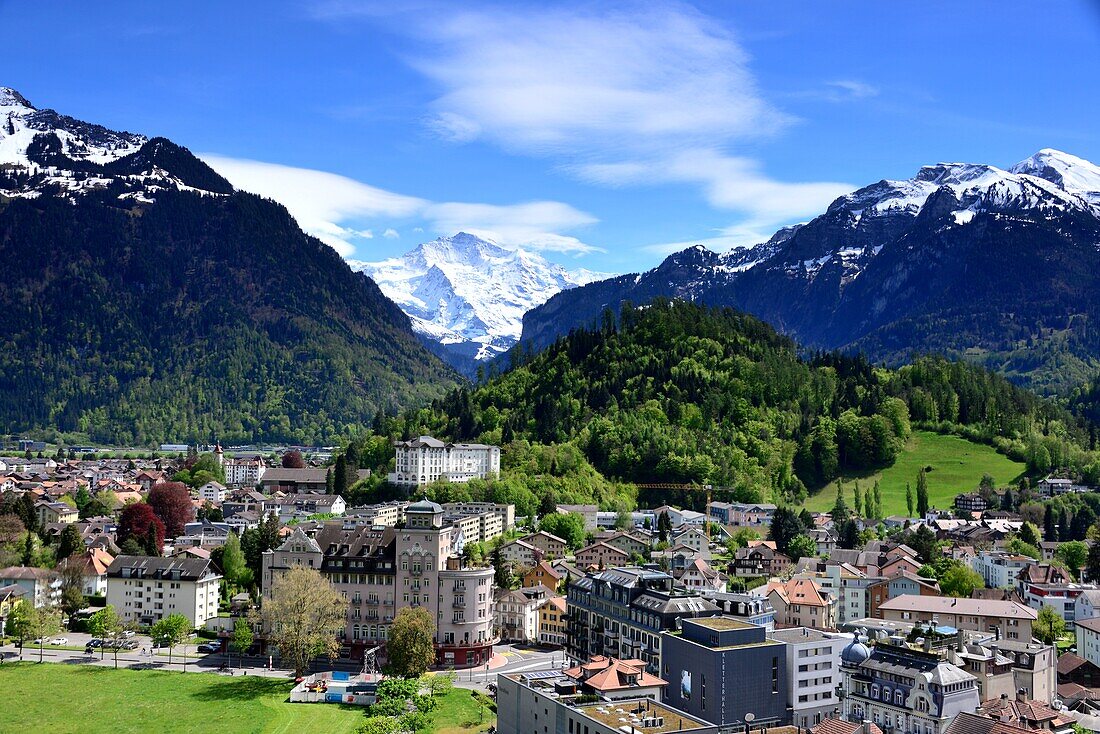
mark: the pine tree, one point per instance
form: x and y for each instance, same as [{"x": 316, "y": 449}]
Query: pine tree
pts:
[
  {"x": 330, "y": 483},
  {"x": 840, "y": 508},
  {"x": 909, "y": 499},
  {"x": 1050, "y": 531},
  {"x": 340, "y": 476},
  {"x": 28, "y": 550},
  {"x": 152, "y": 543},
  {"x": 878, "y": 502},
  {"x": 922, "y": 493},
  {"x": 857, "y": 502}
]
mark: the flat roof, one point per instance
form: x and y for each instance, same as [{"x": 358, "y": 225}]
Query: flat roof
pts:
[
  {"x": 794, "y": 635},
  {"x": 720, "y": 623},
  {"x": 618, "y": 714}
]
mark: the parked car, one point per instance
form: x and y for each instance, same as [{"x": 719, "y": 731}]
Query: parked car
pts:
[
  {"x": 95, "y": 642},
  {"x": 59, "y": 641},
  {"x": 130, "y": 644},
  {"x": 40, "y": 641},
  {"x": 209, "y": 647},
  {"x": 128, "y": 633}
]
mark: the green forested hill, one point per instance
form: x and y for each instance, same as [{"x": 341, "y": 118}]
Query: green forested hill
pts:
[
  {"x": 676, "y": 392},
  {"x": 193, "y": 317}
]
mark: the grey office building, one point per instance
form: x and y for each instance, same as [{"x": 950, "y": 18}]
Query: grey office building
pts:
[{"x": 720, "y": 669}]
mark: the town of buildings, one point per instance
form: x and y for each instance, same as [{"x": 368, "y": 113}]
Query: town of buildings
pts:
[{"x": 661, "y": 634}]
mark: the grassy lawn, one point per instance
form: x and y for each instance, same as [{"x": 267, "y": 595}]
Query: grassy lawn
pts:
[
  {"x": 66, "y": 698},
  {"x": 458, "y": 713},
  {"x": 957, "y": 466}
]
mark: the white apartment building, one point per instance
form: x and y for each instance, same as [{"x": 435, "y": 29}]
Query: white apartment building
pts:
[
  {"x": 999, "y": 569},
  {"x": 213, "y": 492},
  {"x": 1088, "y": 639},
  {"x": 813, "y": 672},
  {"x": 425, "y": 460},
  {"x": 848, "y": 585},
  {"x": 145, "y": 589},
  {"x": 244, "y": 472}
]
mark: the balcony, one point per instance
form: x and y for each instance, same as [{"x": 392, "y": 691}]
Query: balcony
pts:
[
  {"x": 372, "y": 601},
  {"x": 415, "y": 571},
  {"x": 458, "y": 604}
]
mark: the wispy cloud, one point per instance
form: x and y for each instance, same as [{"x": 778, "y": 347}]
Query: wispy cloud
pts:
[
  {"x": 331, "y": 207},
  {"x": 624, "y": 94},
  {"x": 852, "y": 89}
]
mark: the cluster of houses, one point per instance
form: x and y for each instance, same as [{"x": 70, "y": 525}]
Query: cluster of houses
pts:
[
  {"x": 843, "y": 641},
  {"x": 383, "y": 557}
]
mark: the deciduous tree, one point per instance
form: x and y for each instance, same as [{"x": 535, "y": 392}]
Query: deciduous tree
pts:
[
  {"x": 411, "y": 648},
  {"x": 293, "y": 460},
  {"x": 171, "y": 631},
  {"x": 171, "y": 501},
  {"x": 1049, "y": 626},
  {"x": 242, "y": 638},
  {"x": 135, "y": 521},
  {"x": 303, "y": 616},
  {"x": 107, "y": 626},
  {"x": 569, "y": 526},
  {"x": 922, "y": 493},
  {"x": 960, "y": 581},
  {"x": 801, "y": 546},
  {"x": 1074, "y": 554}
]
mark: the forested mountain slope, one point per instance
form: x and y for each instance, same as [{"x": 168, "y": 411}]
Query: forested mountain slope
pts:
[{"x": 146, "y": 300}]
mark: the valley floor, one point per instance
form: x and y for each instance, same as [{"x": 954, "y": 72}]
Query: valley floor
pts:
[{"x": 956, "y": 465}]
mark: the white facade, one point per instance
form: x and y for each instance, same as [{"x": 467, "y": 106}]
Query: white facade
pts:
[
  {"x": 145, "y": 590},
  {"x": 425, "y": 460},
  {"x": 1087, "y": 605},
  {"x": 1000, "y": 570},
  {"x": 1088, "y": 639},
  {"x": 212, "y": 492},
  {"x": 244, "y": 472},
  {"x": 813, "y": 672}
]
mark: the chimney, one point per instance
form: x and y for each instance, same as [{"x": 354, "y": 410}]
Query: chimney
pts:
[{"x": 1021, "y": 694}]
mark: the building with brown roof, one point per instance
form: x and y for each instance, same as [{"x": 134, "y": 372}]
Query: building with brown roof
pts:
[
  {"x": 1027, "y": 714},
  {"x": 602, "y": 555},
  {"x": 607, "y": 697},
  {"x": 799, "y": 602},
  {"x": 1011, "y": 620},
  {"x": 542, "y": 574}
]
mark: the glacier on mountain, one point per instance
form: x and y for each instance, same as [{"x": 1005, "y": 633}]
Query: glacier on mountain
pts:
[{"x": 469, "y": 293}]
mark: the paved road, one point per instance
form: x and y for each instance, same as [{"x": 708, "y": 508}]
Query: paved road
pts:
[
  {"x": 517, "y": 658},
  {"x": 184, "y": 657}
]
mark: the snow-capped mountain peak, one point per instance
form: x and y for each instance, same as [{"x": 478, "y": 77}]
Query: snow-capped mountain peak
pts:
[
  {"x": 470, "y": 293},
  {"x": 1074, "y": 175},
  {"x": 42, "y": 151}
]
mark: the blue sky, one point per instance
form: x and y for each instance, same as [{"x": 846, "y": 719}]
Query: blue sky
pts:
[{"x": 603, "y": 134}]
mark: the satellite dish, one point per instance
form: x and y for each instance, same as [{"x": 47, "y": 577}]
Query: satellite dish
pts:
[{"x": 750, "y": 717}]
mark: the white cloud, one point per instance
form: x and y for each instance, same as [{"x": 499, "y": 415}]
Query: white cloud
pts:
[
  {"x": 855, "y": 89},
  {"x": 328, "y": 206},
  {"x": 633, "y": 95},
  {"x": 567, "y": 80},
  {"x": 320, "y": 201}
]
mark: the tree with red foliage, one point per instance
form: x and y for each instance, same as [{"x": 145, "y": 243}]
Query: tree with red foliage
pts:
[
  {"x": 135, "y": 521},
  {"x": 293, "y": 460},
  {"x": 171, "y": 501}
]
